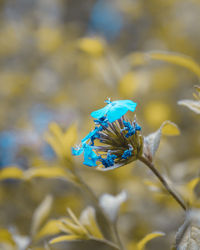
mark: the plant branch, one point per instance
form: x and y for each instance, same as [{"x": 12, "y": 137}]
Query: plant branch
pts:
[
  {"x": 107, "y": 225},
  {"x": 117, "y": 235},
  {"x": 151, "y": 166}
]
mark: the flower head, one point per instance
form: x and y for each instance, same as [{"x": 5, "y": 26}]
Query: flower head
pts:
[{"x": 119, "y": 139}]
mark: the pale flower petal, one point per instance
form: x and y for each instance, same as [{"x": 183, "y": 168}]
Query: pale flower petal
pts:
[{"x": 111, "y": 204}]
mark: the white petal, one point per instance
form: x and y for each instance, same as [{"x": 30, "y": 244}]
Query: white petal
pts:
[
  {"x": 192, "y": 105},
  {"x": 111, "y": 204}
]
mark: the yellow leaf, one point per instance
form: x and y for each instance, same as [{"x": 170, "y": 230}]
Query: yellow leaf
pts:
[
  {"x": 55, "y": 144},
  {"x": 52, "y": 227},
  {"x": 64, "y": 238},
  {"x": 6, "y": 237},
  {"x": 175, "y": 58},
  {"x": 141, "y": 245},
  {"x": 62, "y": 142},
  {"x": 69, "y": 227},
  {"x": 192, "y": 184},
  {"x": 170, "y": 128},
  {"x": 11, "y": 173},
  {"x": 190, "y": 190},
  {"x": 70, "y": 138},
  {"x": 92, "y": 46},
  {"x": 41, "y": 213},
  {"x": 74, "y": 218},
  {"x": 51, "y": 172},
  {"x": 88, "y": 219}
]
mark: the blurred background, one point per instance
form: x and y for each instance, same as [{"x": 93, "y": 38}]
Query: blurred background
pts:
[{"x": 59, "y": 61}]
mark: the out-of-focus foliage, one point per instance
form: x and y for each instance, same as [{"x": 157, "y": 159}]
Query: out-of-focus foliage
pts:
[{"x": 59, "y": 60}]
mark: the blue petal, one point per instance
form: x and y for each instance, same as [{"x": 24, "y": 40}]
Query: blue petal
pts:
[
  {"x": 90, "y": 157},
  {"x": 93, "y": 132},
  {"x": 116, "y": 113},
  {"x": 126, "y": 103},
  {"x": 100, "y": 112},
  {"x": 77, "y": 151}
]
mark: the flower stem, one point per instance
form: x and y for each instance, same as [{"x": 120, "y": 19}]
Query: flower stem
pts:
[
  {"x": 119, "y": 242},
  {"x": 151, "y": 166},
  {"x": 107, "y": 242},
  {"x": 107, "y": 225}
]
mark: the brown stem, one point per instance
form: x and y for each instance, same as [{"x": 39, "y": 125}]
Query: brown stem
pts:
[{"x": 151, "y": 166}]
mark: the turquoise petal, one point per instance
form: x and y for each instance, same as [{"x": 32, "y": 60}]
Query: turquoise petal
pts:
[
  {"x": 90, "y": 157},
  {"x": 127, "y": 103},
  {"x": 116, "y": 113},
  {"x": 77, "y": 151},
  {"x": 93, "y": 132},
  {"x": 101, "y": 112}
]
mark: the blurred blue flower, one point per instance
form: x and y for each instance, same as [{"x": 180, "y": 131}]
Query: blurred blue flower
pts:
[
  {"x": 41, "y": 117},
  {"x": 106, "y": 19},
  {"x": 114, "y": 110},
  {"x": 8, "y": 148}
]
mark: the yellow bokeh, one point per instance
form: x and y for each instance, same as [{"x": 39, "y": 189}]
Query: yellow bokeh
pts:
[{"x": 155, "y": 112}]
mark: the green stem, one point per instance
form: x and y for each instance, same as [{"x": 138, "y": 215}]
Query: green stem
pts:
[{"x": 151, "y": 166}]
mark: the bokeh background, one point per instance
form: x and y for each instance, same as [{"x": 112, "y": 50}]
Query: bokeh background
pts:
[{"x": 59, "y": 61}]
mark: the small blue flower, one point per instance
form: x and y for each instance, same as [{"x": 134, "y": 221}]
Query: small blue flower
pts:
[
  {"x": 103, "y": 121},
  {"x": 114, "y": 110},
  {"x": 77, "y": 150},
  {"x": 137, "y": 127},
  {"x": 90, "y": 156},
  {"x": 128, "y": 127},
  {"x": 109, "y": 161},
  {"x": 92, "y": 135},
  {"x": 127, "y": 153}
]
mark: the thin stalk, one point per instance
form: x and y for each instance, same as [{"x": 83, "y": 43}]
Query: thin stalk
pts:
[
  {"x": 107, "y": 242},
  {"x": 151, "y": 166},
  {"x": 117, "y": 235},
  {"x": 109, "y": 227}
]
